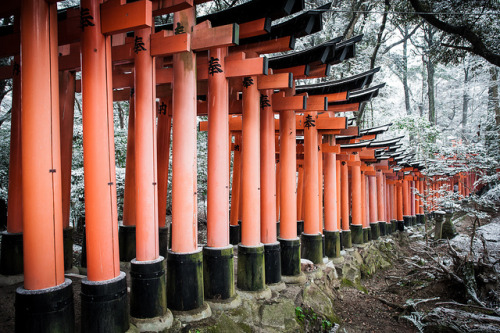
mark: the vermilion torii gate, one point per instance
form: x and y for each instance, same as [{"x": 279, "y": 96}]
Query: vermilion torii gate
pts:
[{"x": 213, "y": 66}]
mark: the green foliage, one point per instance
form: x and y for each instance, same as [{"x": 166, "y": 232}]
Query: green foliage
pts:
[{"x": 311, "y": 321}]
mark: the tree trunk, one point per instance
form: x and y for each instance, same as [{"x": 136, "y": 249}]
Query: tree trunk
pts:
[
  {"x": 493, "y": 105},
  {"x": 120, "y": 116},
  {"x": 429, "y": 32},
  {"x": 405, "y": 71},
  {"x": 465, "y": 104}
]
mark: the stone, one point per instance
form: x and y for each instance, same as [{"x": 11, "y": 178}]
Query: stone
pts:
[
  {"x": 315, "y": 298},
  {"x": 276, "y": 315}
]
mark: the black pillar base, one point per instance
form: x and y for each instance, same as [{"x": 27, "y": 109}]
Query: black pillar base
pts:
[
  {"x": 126, "y": 242},
  {"x": 382, "y": 227},
  {"x": 234, "y": 234},
  {"x": 312, "y": 247},
  {"x": 401, "y": 226},
  {"x": 375, "y": 230},
  {"x": 346, "y": 239},
  {"x": 419, "y": 219},
  {"x": 148, "y": 298},
  {"x": 83, "y": 259},
  {"x": 218, "y": 272},
  {"x": 105, "y": 305},
  {"x": 184, "y": 280},
  {"x": 68, "y": 247},
  {"x": 367, "y": 235},
  {"x": 407, "y": 221},
  {"x": 300, "y": 227},
  {"x": 46, "y": 310},
  {"x": 323, "y": 245},
  {"x": 357, "y": 233},
  {"x": 163, "y": 241},
  {"x": 251, "y": 271},
  {"x": 290, "y": 256},
  {"x": 272, "y": 262},
  {"x": 11, "y": 260},
  {"x": 413, "y": 220},
  {"x": 332, "y": 244}
]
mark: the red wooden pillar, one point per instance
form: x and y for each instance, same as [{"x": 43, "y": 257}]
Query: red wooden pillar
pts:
[
  {"x": 268, "y": 190},
  {"x": 234, "y": 228},
  {"x": 320, "y": 184},
  {"x": 357, "y": 226},
  {"x": 332, "y": 234},
  {"x": 337, "y": 185},
  {"x": 277, "y": 199},
  {"x": 218, "y": 254},
  {"x": 365, "y": 204},
  {"x": 11, "y": 260},
  {"x": 163, "y": 159},
  {"x": 290, "y": 195},
  {"x": 374, "y": 199},
  {"x": 66, "y": 113},
  {"x": 41, "y": 177},
  {"x": 300, "y": 191},
  {"x": 312, "y": 241},
  {"x": 251, "y": 274},
  {"x": 344, "y": 188},
  {"x": 406, "y": 203},
  {"x": 184, "y": 261},
  {"x": 101, "y": 216}
]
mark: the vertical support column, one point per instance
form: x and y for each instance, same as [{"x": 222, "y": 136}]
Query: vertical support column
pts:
[
  {"x": 375, "y": 231},
  {"x": 251, "y": 276},
  {"x": 380, "y": 203},
  {"x": 344, "y": 188},
  {"x": 185, "y": 259},
  {"x": 393, "y": 206},
  {"x": 66, "y": 113},
  {"x": 289, "y": 206},
  {"x": 337, "y": 185},
  {"x": 147, "y": 296},
  {"x": 365, "y": 208},
  {"x": 45, "y": 302},
  {"x": 332, "y": 234},
  {"x": 399, "y": 206},
  {"x": 234, "y": 227},
  {"x": 218, "y": 276},
  {"x": 11, "y": 259},
  {"x": 300, "y": 199},
  {"x": 411, "y": 186},
  {"x": 356, "y": 227},
  {"x": 163, "y": 153},
  {"x": 103, "y": 264},
  {"x": 406, "y": 203},
  {"x": 312, "y": 240},
  {"x": 277, "y": 199},
  {"x": 268, "y": 234},
  {"x": 126, "y": 232}
]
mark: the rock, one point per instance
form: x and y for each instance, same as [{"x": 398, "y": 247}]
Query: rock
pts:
[
  {"x": 316, "y": 299},
  {"x": 280, "y": 315}
]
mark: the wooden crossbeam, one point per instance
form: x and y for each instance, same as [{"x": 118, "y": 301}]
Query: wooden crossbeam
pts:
[
  {"x": 165, "y": 43},
  {"x": 118, "y": 16},
  {"x": 255, "y": 28},
  {"x": 281, "y": 102},
  {"x": 207, "y": 37},
  {"x": 344, "y": 107},
  {"x": 282, "y": 44}
]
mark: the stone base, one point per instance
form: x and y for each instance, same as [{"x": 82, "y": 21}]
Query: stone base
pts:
[
  {"x": 277, "y": 287},
  {"x": 200, "y": 313},
  {"x": 401, "y": 226},
  {"x": 394, "y": 224},
  {"x": 104, "y": 305},
  {"x": 45, "y": 310},
  {"x": 255, "y": 295},
  {"x": 375, "y": 230},
  {"x": 251, "y": 272},
  {"x": 290, "y": 257},
  {"x": 225, "y": 304},
  {"x": 156, "y": 324},
  {"x": 332, "y": 244},
  {"x": 218, "y": 273},
  {"x": 126, "y": 242},
  {"x": 11, "y": 254},
  {"x": 148, "y": 298},
  {"x": 312, "y": 247},
  {"x": 357, "y": 234},
  {"x": 346, "y": 239},
  {"x": 272, "y": 263},
  {"x": 294, "y": 279},
  {"x": 338, "y": 260},
  {"x": 185, "y": 281},
  {"x": 414, "y": 220}
]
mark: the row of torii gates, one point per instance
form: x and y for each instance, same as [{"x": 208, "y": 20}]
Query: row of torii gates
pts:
[{"x": 350, "y": 188}]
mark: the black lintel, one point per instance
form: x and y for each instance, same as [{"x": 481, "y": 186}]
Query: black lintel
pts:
[{"x": 360, "y": 96}]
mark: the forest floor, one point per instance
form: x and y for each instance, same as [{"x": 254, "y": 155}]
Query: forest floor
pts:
[{"x": 377, "y": 304}]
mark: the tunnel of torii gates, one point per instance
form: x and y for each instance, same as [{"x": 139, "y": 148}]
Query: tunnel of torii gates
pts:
[{"x": 305, "y": 181}]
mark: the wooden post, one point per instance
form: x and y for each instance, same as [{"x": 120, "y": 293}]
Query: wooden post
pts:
[
  {"x": 356, "y": 227},
  {"x": 381, "y": 204},
  {"x": 41, "y": 177},
  {"x": 344, "y": 188},
  {"x": 332, "y": 234},
  {"x": 234, "y": 228},
  {"x": 163, "y": 159}
]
